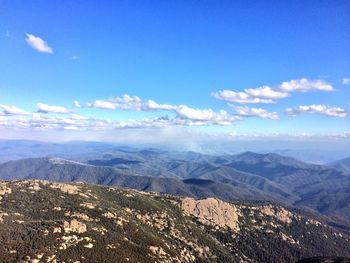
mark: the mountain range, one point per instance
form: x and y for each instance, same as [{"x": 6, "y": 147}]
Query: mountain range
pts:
[{"x": 246, "y": 176}]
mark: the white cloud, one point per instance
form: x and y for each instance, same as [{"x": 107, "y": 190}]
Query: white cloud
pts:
[
  {"x": 76, "y": 104},
  {"x": 185, "y": 115},
  {"x": 126, "y": 102},
  {"x": 239, "y": 97},
  {"x": 305, "y": 85},
  {"x": 102, "y": 104},
  {"x": 245, "y": 111},
  {"x": 346, "y": 81},
  {"x": 152, "y": 105},
  {"x": 206, "y": 116},
  {"x": 7, "y": 110},
  {"x": 38, "y": 44},
  {"x": 195, "y": 114},
  {"x": 318, "y": 109},
  {"x": 44, "y": 108},
  {"x": 266, "y": 94}
]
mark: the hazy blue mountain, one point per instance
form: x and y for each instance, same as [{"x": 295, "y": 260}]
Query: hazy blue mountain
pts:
[
  {"x": 19, "y": 149},
  {"x": 323, "y": 153},
  {"x": 189, "y": 165},
  {"x": 322, "y": 188},
  {"x": 249, "y": 175},
  {"x": 343, "y": 164},
  {"x": 61, "y": 170},
  {"x": 319, "y": 187},
  {"x": 284, "y": 170}
]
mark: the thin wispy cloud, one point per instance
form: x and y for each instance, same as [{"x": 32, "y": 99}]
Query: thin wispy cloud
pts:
[
  {"x": 9, "y": 35},
  {"x": 44, "y": 108},
  {"x": 317, "y": 109},
  {"x": 266, "y": 94},
  {"x": 76, "y": 104},
  {"x": 346, "y": 81},
  {"x": 38, "y": 44}
]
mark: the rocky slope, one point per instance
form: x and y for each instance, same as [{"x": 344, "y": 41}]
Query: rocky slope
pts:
[{"x": 43, "y": 221}]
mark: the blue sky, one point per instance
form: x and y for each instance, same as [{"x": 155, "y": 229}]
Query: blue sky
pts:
[{"x": 181, "y": 55}]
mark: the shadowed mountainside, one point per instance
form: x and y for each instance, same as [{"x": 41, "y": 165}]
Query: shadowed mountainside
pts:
[
  {"x": 249, "y": 176},
  {"x": 61, "y": 170},
  {"x": 343, "y": 164}
]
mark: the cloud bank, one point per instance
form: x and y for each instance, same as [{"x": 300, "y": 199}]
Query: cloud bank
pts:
[
  {"x": 55, "y": 118},
  {"x": 184, "y": 114}
]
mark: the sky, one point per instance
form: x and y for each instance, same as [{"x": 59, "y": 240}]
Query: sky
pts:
[{"x": 174, "y": 70}]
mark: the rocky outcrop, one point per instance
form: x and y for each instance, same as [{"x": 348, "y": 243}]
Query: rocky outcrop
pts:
[
  {"x": 4, "y": 190},
  {"x": 74, "y": 226},
  {"x": 278, "y": 213},
  {"x": 212, "y": 211}
]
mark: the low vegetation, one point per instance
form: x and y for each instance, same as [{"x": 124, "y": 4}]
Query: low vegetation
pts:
[{"x": 56, "y": 222}]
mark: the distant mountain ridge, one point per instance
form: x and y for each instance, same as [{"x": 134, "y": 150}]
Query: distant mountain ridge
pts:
[
  {"x": 19, "y": 149},
  {"x": 343, "y": 164},
  {"x": 60, "y": 170},
  {"x": 287, "y": 179},
  {"x": 250, "y": 176}
]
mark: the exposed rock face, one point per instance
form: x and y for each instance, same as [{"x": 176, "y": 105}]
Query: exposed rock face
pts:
[
  {"x": 67, "y": 188},
  {"x": 157, "y": 250},
  {"x": 74, "y": 226},
  {"x": 279, "y": 213},
  {"x": 2, "y": 215},
  {"x": 88, "y": 205},
  {"x": 212, "y": 211},
  {"x": 32, "y": 184},
  {"x": 4, "y": 190}
]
